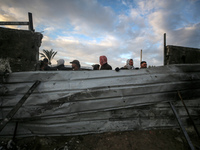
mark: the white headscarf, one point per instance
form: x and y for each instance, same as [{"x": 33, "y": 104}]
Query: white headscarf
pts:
[
  {"x": 60, "y": 62},
  {"x": 127, "y": 64}
]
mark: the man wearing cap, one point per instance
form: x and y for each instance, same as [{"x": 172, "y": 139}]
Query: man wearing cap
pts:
[
  {"x": 143, "y": 64},
  {"x": 75, "y": 65}
]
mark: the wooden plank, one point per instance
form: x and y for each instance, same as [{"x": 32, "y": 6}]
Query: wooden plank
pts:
[
  {"x": 18, "y": 105},
  {"x": 30, "y": 25},
  {"x": 13, "y": 23}
]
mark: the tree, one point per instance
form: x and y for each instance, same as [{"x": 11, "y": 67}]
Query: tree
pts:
[{"x": 48, "y": 54}]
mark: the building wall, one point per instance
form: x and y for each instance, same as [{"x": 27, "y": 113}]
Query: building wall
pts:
[
  {"x": 181, "y": 55},
  {"x": 20, "y": 48}
]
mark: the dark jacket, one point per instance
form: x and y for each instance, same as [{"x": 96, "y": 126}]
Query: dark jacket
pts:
[
  {"x": 106, "y": 67},
  {"x": 62, "y": 67},
  {"x": 48, "y": 68}
]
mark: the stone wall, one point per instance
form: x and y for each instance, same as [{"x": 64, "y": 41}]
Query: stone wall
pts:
[
  {"x": 20, "y": 48},
  {"x": 181, "y": 55}
]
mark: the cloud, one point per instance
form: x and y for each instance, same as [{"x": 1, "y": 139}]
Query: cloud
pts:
[
  {"x": 177, "y": 26},
  {"x": 86, "y": 29}
]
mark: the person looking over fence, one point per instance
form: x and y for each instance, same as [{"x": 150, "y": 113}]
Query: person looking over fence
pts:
[
  {"x": 41, "y": 63},
  {"x": 104, "y": 64},
  {"x": 76, "y": 65},
  {"x": 143, "y": 64},
  {"x": 129, "y": 65},
  {"x": 45, "y": 66},
  {"x": 61, "y": 66},
  {"x": 96, "y": 66}
]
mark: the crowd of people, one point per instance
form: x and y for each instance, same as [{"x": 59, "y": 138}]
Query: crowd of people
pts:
[{"x": 75, "y": 65}]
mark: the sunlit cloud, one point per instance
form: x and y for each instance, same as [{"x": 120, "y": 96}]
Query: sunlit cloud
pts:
[{"x": 117, "y": 29}]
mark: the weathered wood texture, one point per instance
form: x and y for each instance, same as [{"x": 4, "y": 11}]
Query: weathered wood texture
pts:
[{"x": 82, "y": 102}]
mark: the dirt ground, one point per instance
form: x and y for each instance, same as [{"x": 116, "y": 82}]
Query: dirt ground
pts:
[{"x": 168, "y": 139}]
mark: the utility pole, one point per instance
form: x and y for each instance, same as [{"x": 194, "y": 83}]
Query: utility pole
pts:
[
  {"x": 164, "y": 50},
  {"x": 141, "y": 56}
]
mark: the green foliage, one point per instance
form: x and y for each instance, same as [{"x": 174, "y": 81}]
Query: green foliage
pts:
[
  {"x": 48, "y": 54},
  {"x": 151, "y": 66}
]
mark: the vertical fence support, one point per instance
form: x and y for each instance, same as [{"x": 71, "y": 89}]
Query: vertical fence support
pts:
[
  {"x": 189, "y": 115},
  {"x": 182, "y": 127}
]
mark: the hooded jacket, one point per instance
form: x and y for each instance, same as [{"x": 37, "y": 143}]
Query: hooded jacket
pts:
[
  {"x": 104, "y": 64},
  {"x": 127, "y": 66}
]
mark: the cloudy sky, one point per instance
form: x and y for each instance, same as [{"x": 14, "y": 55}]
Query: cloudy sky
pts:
[{"x": 119, "y": 29}]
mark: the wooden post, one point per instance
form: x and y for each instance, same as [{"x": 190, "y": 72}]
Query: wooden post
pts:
[
  {"x": 30, "y": 26},
  {"x": 30, "y": 23},
  {"x": 164, "y": 51}
]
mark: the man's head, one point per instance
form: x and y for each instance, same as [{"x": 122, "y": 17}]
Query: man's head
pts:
[
  {"x": 96, "y": 66},
  {"x": 75, "y": 65},
  {"x": 45, "y": 61},
  {"x": 143, "y": 64},
  {"x": 102, "y": 60},
  {"x": 131, "y": 62}
]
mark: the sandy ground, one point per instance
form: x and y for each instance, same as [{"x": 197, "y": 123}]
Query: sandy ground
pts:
[{"x": 168, "y": 139}]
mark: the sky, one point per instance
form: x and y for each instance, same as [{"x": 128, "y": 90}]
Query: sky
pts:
[{"x": 118, "y": 29}]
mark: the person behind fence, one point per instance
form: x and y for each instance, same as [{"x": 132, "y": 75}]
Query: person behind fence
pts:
[
  {"x": 76, "y": 65},
  {"x": 45, "y": 64},
  {"x": 104, "y": 63},
  {"x": 61, "y": 66},
  {"x": 143, "y": 64},
  {"x": 96, "y": 66},
  {"x": 41, "y": 65},
  {"x": 129, "y": 65}
]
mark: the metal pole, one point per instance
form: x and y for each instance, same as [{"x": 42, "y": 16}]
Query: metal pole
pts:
[
  {"x": 189, "y": 115},
  {"x": 15, "y": 131},
  {"x": 141, "y": 56},
  {"x": 164, "y": 50},
  {"x": 182, "y": 127}
]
